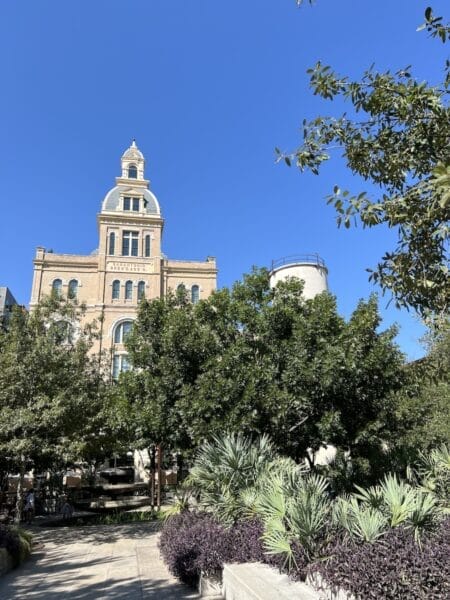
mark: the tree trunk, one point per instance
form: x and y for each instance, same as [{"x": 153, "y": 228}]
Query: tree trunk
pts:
[
  {"x": 158, "y": 489},
  {"x": 152, "y": 476},
  {"x": 19, "y": 495}
]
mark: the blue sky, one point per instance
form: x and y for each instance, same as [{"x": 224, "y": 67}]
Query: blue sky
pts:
[{"x": 208, "y": 89}]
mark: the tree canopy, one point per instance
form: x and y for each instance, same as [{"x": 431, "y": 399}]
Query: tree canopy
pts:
[
  {"x": 51, "y": 388},
  {"x": 396, "y": 137},
  {"x": 261, "y": 360}
]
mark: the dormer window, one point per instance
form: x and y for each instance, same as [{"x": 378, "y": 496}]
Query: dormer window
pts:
[
  {"x": 131, "y": 204},
  {"x": 132, "y": 172}
]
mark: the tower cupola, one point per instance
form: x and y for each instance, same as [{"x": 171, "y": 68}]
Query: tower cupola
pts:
[{"x": 133, "y": 163}]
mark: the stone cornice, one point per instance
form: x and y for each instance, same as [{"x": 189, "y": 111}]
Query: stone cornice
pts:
[
  {"x": 138, "y": 220},
  {"x": 133, "y": 182}
]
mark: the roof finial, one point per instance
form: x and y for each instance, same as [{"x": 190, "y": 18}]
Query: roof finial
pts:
[{"x": 133, "y": 143}]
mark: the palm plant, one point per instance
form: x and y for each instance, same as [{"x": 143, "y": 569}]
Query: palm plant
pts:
[
  {"x": 433, "y": 474},
  {"x": 399, "y": 499},
  {"x": 423, "y": 514},
  {"x": 224, "y": 468},
  {"x": 294, "y": 509},
  {"x": 181, "y": 502},
  {"x": 361, "y": 521}
]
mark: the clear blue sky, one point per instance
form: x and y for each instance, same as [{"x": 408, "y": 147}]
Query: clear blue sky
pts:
[{"x": 208, "y": 89}]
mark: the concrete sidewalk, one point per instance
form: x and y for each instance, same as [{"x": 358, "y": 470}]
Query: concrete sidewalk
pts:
[{"x": 119, "y": 562}]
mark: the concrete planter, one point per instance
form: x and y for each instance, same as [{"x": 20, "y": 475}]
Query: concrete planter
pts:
[
  {"x": 210, "y": 585},
  {"x": 255, "y": 581}
]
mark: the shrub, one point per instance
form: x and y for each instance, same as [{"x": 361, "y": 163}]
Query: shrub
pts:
[
  {"x": 16, "y": 541},
  {"x": 191, "y": 543},
  {"x": 393, "y": 568},
  {"x": 244, "y": 542}
]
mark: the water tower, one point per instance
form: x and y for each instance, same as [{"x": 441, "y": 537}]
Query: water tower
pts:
[{"x": 309, "y": 267}]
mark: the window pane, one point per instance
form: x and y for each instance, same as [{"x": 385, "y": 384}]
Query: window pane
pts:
[
  {"x": 126, "y": 203},
  {"x": 147, "y": 245},
  {"x": 128, "y": 290},
  {"x": 195, "y": 294},
  {"x": 116, "y": 290},
  {"x": 73, "y": 288},
  {"x": 116, "y": 366},
  {"x": 136, "y": 204},
  {"x": 125, "y": 363},
  {"x": 141, "y": 290},
  {"x": 126, "y": 328},
  {"x": 134, "y": 246},
  {"x": 112, "y": 243},
  {"x": 132, "y": 172},
  {"x": 56, "y": 286},
  {"x": 125, "y": 245}
]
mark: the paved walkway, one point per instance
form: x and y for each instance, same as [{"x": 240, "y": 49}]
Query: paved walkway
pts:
[{"x": 119, "y": 562}]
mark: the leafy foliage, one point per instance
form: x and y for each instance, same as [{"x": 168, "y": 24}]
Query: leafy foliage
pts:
[
  {"x": 258, "y": 360},
  {"x": 52, "y": 393},
  {"x": 191, "y": 543},
  {"x": 393, "y": 568},
  {"x": 400, "y": 144},
  {"x": 16, "y": 541}
]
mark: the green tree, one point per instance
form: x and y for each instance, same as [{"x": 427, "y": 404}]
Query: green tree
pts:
[
  {"x": 396, "y": 137},
  {"x": 423, "y": 408},
  {"x": 257, "y": 360},
  {"x": 51, "y": 389}
]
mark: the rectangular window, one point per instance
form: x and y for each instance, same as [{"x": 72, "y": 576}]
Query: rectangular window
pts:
[
  {"x": 147, "y": 245},
  {"x": 134, "y": 245},
  {"x": 126, "y": 203},
  {"x": 136, "y": 204},
  {"x": 121, "y": 364},
  {"x": 130, "y": 243},
  {"x": 116, "y": 366}
]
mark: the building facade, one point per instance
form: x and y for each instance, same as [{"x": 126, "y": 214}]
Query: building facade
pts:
[{"x": 128, "y": 265}]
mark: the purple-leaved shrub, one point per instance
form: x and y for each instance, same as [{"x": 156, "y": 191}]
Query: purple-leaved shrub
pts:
[
  {"x": 191, "y": 543},
  {"x": 393, "y": 568}
]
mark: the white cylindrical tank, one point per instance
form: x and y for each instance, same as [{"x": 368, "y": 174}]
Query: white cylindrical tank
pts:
[{"x": 309, "y": 267}]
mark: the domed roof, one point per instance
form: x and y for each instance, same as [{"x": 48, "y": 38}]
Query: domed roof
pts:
[
  {"x": 133, "y": 152},
  {"x": 111, "y": 203}
]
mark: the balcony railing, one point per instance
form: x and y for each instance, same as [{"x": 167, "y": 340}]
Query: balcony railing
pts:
[{"x": 294, "y": 259}]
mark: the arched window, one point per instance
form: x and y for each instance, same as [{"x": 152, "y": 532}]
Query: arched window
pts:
[
  {"x": 57, "y": 286},
  {"x": 132, "y": 172},
  {"x": 73, "y": 289},
  {"x": 195, "y": 294},
  {"x": 112, "y": 243},
  {"x": 147, "y": 245},
  {"x": 116, "y": 289},
  {"x": 122, "y": 331},
  {"x": 141, "y": 290},
  {"x": 181, "y": 288},
  {"x": 129, "y": 290}
]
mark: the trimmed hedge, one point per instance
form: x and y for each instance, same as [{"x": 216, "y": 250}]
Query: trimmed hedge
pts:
[{"x": 393, "y": 568}]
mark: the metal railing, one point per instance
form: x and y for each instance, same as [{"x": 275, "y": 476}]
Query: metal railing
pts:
[{"x": 293, "y": 259}]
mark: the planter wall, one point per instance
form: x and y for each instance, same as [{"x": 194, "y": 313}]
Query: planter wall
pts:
[{"x": 255, "y": 581}]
